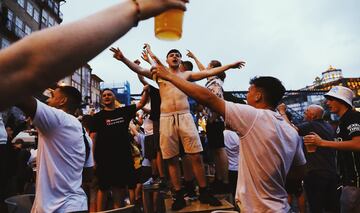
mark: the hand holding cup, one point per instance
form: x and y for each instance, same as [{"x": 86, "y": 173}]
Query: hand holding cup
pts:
[{"x": 312, "y": 141}]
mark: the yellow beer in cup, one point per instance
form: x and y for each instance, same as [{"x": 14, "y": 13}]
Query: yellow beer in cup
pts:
[
  {"x": 310, "y": 148},
  {"x": 168, "y": 25}
]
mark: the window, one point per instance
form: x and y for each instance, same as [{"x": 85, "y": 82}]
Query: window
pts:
[
  {"x": 4, "y": 43},
  {"x": 27, "y": 30},
  {"x": 51, "y": 3},
  {"x": 21, "y": 3},
  {"x": 30, "y": 8},
  {"x": 36, "y": 15},
  {"x": 19, "y": 27},
  {"x": 51, "y": 21},
  {"x": 10, "y": 18},
  {"x": 45, "y": 17},
  {"x": 56, "y": 7}
]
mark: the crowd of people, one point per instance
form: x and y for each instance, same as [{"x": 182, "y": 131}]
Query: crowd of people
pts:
[{"x": 258, "y": 153}]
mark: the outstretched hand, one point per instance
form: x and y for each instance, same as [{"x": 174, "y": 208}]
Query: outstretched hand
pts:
[
  {"x": 117, "y": 53},
  {"x": 145, "y": 56},
  {"x": 147, "y": 47},
  {"x": 237, "y": 65},
  {"x": 190, "y": 54}
]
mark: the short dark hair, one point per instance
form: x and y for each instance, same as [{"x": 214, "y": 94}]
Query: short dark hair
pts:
[
  {"x": 173, "y": 51},
  {"x": 215, "y": 63},
  {"x": 271, "y": 87},
  {"x": 187, "y": 65},
  {"x": 73, "y": 96},
  {"x": 106, "y": 89}
]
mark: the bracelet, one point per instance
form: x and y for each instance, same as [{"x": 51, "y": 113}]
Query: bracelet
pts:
[{"x": 138, "y": 12}]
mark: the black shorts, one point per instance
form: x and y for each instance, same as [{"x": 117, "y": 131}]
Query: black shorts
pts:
[
  {"x": 152, "y": 142},
  {"x": 150, "y": 147},
  {"x": 215, "y": 135},
  {"x": 113, "y": 176}
]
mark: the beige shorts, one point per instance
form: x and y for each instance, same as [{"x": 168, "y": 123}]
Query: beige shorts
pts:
[{"x": 178, "y": 126}]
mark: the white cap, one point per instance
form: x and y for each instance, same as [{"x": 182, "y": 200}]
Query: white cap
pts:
[{"x": 343, "y": 93}]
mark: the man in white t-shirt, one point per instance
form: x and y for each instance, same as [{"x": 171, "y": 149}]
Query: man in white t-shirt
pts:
[
  {"x": 61, "y": 152},
  {"x": 269, "y": 146}
]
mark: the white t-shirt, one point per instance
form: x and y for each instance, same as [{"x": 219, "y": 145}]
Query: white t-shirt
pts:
[
  {"x": 60, "y": 161},
  {"x": 90, "y": 161},
  {"x": 231, "y": 141},
  {"x": 268, "y": 147},
  {"x": 3, "y": 134},
  {"x": 148, "y": 126}
]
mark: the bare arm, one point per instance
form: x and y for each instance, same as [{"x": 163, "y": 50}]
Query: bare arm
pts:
[
  {"x": 195, "y": 76},
  {"x": 142, "y": 80},
  {"x": 143, "y": 99},
  {"x": 350, "y": 145},
  {"x": 152, "y": 55},
  {"x": 198, "y": 63},
  {"x": 133, "y": 66},
  {"x": 282, "y": 111},
  {"x": 200, "y": 94},
  {"x": 93, "y": 138},
  {"x": 58, "y": 51}
]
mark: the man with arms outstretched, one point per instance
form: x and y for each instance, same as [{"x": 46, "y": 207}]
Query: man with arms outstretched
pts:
[{"x": 176, "y": 122}]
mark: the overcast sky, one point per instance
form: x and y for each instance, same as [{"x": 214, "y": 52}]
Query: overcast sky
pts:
[{"x": 293, "y": 40}]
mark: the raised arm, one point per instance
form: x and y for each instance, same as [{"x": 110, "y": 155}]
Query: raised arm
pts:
[
  {"x": 198, "y": 63},
  {"x": 132, "y": 65},
  {"x": 152, "y": 55},
  {"x": 281, "y": 108},
  {"x": 199, "y": 93},
  {"x": 144, "y": 98},
  {"x": 195, "y": 76},
  {"x": 142, "y": 80},
  {"x": 40, "y": 59}
]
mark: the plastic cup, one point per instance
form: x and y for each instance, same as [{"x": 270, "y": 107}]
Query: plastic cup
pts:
[
  {"x": 310, "y": 148},
  {"x": 168, "y": 25}
]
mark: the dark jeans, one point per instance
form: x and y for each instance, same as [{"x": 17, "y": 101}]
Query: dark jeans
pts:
[{"x": 321, "y": 193}]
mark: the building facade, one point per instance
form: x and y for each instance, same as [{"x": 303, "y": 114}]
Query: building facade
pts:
[
  {"x": 95, "y": 90},
  {"x": 313, "y": 94},
  {"x": 19, "y": 18}
]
